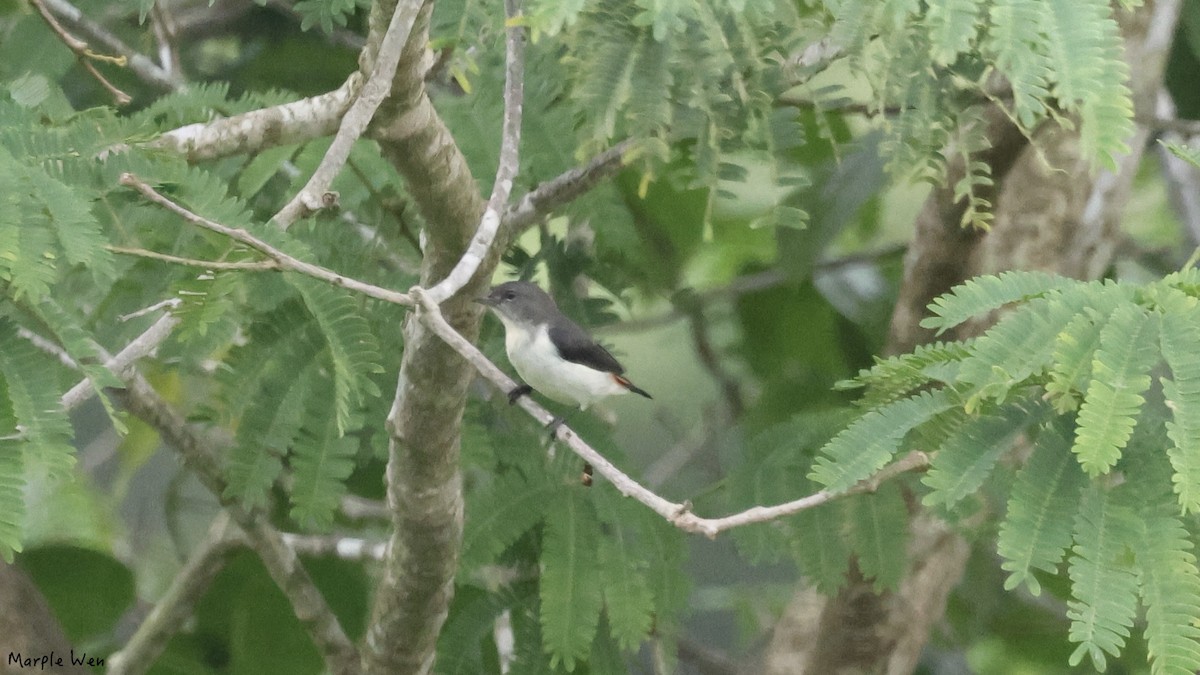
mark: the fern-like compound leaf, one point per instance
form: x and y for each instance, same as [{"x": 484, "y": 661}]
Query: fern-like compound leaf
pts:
[
  {"x": 1041, "y": 510},
  {"x": 571, "y": 591},
  {"x": 1178, "y": 337},
  {"x": 1120, "y": 375},
  {"x": 1104, "y": 584},
  {"x": 978, "y": 296},
  {"x": 870, "y": 441}
]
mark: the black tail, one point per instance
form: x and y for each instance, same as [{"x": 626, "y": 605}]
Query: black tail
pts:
[{"x": 633, "y": 387}]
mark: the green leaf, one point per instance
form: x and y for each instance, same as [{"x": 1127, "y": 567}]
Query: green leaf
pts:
[
  {"x": 1074, "y": 349},
  {"x": 628, "y": 602},
  {"x": 1120, "y": 375},
  {"x": 500, "y": 513},
  {"x": 966, "y": 458},
  {"x": 1178, "y": 340},
  {"x": 1103, "y": 582},
  {"x": 952, "y": 25},
  {"x": 42, "y": 424},
  {"x": 353, "y": 347},
  {"x": 870, "y": 441},
  {"x": 12, "y": 482},
  {"x": 571, "y": 593},
  {"x": 878, "y": 534},
  {"x": 322, "y": 460},
  {"x": 1170, "y": 588},
  {"x": 978, "y": 296},
  {"x": 1041, "y": 510},
  {"x": 820, "y": 547}
]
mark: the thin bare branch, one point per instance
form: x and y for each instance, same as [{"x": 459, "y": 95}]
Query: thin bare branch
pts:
[
  {"x": 346, "y": 548},
  {"x": 489, "y": 224},
  {"x": 83, "y": 52},
  {"x": 141, "y": 346},
  {"x": 315, "y": 194},
  {"x": 284, "y": 260},
  {"x": 176, "y": 605},
  {"x": 563, "y": 189},
  {"x": 246, "y": 266},
  {"x": 141, "y": 66}
]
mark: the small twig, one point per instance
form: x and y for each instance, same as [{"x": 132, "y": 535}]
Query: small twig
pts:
[
  {"x": 563, "y": 189},
  {"x": 702, "y": 342},
  {"x": 489, "y": 224},
  {"x": 347, "y": 548},
  {"x": 505, "y": 639},
  {"x": 83, "y": 53},
  {"x": 141, "y": 346},
  {"x": 164, "y": 35},
  {"x": 176, "y": 605},
  {"x": 169, "y": 303},
  {"x": 361, "y": 508},
  {"x": 47, "y": 346},
  {"x": 141, "y": 66},
  {"x": 315, "y": 194},
  {"x": 246, "y": 266},
  {"x": 751, "y": 283},
  {"x": 284, "y": 260}
]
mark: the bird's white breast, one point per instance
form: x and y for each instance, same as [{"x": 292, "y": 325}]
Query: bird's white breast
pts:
[{"x": 538, "y": 363}]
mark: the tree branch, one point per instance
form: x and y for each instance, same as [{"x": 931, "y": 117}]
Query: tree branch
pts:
[
  {"x": 346, "y": 548},
  {"x": 245, "y": 266},
  {"x": 83, "y": 53},
  {"x": 201, "y": 455},
  {"x": 489, "y": 224},
  {"x": 283, "y": 260},
  {"x": 258, "y": 130},
  {"x": 141, "y": 346},
  {"x": 315, "y": 194},
  {"x": 563, "y": 189},
  {"x": 175, "y": 607},
  {"x": 138, "y": 64}
]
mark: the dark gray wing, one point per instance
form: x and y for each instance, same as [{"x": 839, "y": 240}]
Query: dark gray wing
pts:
[{"x": 576, "y": 346}]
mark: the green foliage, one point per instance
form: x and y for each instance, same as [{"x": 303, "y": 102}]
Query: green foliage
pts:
[
  {"x": 1120, "y": 375},
  {"x": 1041, "y": 511},
  {"x": 571, "y": 592},
  {"x": 936, "y": 54},
  {"x": 867, "y": 444},
  {"x": 1103, "y": 581},
  {"x": 1086, "y": 347},
  {"x": 1177, "y": 335},
  {"x": 878, "y": 534},
  {"x": 976, "y": 297},
  {"x": 967, "y": 457}
]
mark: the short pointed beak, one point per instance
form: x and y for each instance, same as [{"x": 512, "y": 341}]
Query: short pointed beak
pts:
[{"x": 486, "y": 300}]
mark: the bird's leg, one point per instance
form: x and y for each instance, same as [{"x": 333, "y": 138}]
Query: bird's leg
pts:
[
  {"x": 558, "y": 422},
  {"x": 517, "y": 392}
]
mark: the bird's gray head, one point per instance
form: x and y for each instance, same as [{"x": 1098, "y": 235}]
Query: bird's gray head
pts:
[{"x": 520, "y": 302}]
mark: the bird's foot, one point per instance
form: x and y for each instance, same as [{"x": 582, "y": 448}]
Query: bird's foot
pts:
[
  {"x": 552, "y": 427},
  {"x": 517, "y": 392}
]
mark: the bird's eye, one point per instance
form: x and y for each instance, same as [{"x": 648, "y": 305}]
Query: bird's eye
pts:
[{"x": 510, "y": 295}]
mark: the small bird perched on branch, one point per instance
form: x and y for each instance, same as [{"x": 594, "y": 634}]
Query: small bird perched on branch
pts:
[{"x": 552, "y": 353}]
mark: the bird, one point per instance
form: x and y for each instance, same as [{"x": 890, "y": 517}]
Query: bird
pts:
[{"x": 552, "y": 353}]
